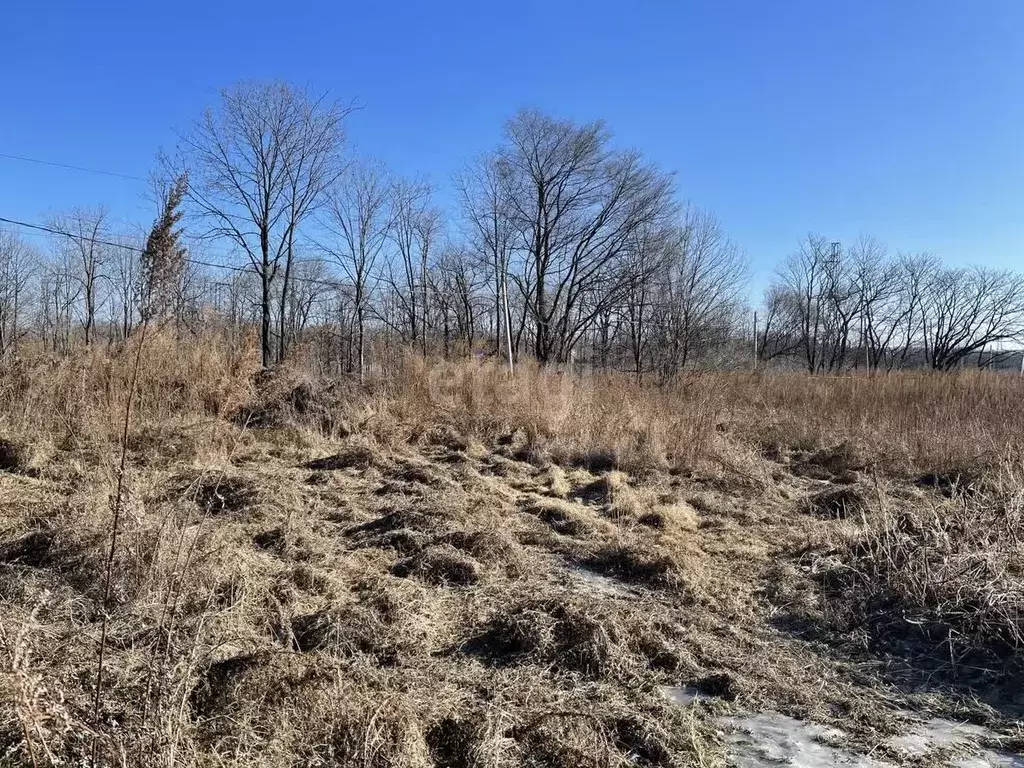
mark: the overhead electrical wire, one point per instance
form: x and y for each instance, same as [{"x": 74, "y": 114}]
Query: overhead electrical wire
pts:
[
  {"x": 136, "y": 249},
  {"x": 197, "y": 262},
  {"x": 68, "y": 167}
]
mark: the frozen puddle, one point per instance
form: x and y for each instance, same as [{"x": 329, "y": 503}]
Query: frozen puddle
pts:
[
  {"x": 959, "y": 739},
  {"x": 772, "y": 739}
]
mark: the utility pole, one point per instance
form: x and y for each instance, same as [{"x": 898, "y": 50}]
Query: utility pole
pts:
[
  {"x": 755, "y": 343},
  {"x": 508, "y": 323}
]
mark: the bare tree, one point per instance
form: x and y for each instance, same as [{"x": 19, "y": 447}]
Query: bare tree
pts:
[
  {"x": 483, "y": 191},
  {"x": 414, "y": 230},
  {"x": 575, "y": 204},
  {"x": 358, "y": 220},
  {"x": 426, "y": 234},
  {"x": 86, "y": 252},
  {"x": 702, "y": 288},
  {"x": 126, "y": 284},
  {"x": 192, "y": 293},
  {"x": 880, "y": 309},
  {"x": 896, "y": 312},
  {"x": 456, "y": 281},
  {"x": 914, "y": 275},
  {"x": 305, "y": 298},
  {"x": 822, "y": 302},
  {"x": 642, "y": 304},
  {"x": 782, "y": 325},
  {"x": 314, "y": 165},
  {"x": 967, "y": 310},
  {"x": 261, "y": 163},
  {"x": 18, "y": 265}
]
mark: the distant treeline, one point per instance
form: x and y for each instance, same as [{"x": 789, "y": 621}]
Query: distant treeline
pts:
[{"x": 555, "y": 246}]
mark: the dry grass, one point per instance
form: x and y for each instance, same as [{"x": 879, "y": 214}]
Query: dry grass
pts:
[
  {"x": 902, "y": 422},
  {"x": 449, "y": 567},
  {"x": 940, "y": 580}
]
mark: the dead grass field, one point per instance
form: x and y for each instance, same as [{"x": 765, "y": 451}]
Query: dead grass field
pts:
[{"x": 448, "y": 567}]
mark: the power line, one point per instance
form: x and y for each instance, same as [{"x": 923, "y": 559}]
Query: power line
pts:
[
  {"x": 136, "y": 249},
  {"x": 37, "y": 161},
  {"x": 72, "y": 235},
  {"x": 139, "y": 250}
]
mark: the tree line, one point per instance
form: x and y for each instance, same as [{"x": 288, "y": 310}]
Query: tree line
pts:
[
  {"x": 555, "y": 246},
  {"x": 832, "y": 309}
]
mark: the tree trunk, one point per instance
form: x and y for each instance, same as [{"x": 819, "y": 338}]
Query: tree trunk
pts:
[
  {"x": 90, "y": 309},
  {"x": 265, "y": 277},
  {"x": 282, "y": 344},
  {"x": 265, "y": 324},
  {"x": 359, "y": 331}
]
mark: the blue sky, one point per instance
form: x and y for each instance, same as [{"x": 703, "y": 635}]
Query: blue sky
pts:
[{"x": 901, "y": 119}]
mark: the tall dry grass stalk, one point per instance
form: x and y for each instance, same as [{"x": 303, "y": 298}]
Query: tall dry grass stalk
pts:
[
  {"x": 942, "y": 577},
  {"x": 117, "y": 506}
]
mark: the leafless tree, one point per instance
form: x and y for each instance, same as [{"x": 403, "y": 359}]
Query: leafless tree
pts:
[
  {"x": 358, "y": 222},
  {"x": 241, "y": 299},
  {"x": 967, "y": 310},
  {"x": 18, "y": 265},
  {"x": 415, "y": 227},
  {"x": 483, "y": 193},
  {"x": 191, "y": 297},
  {"x": 456, "y": 283},
  {"x": 314, "y": 165},
  {"x": 780, "y": 334},
  {"x": 575, "y": 205},
  {"x": 261, "y": 163},
  {"x": 86, "y": 251},
  {"x": 702, "y": 288},
  {"x": 641, "y": 302},
  {"x": 879, "y": 304},
  {"x": 59, "y": 293},
  {"x": 309, "y": 292},
  {"x": 895, "y": 312},
  {"x": 569, "y": 250},
  {"x": 914, "y": 274},
  {"x": 822, "y": 300},
  {"x": 126, "y": 286}
]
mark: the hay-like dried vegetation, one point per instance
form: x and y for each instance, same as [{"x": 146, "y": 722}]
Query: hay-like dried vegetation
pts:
[{"x": 447, "y": 566}]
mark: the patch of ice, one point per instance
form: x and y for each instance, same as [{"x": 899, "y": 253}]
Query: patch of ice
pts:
[
  {"x": 772, "y": 739},
  {"x": 681, "y": 694},
  {"x": 990, "y": 759},
  {"x": 938, "y": 733}
]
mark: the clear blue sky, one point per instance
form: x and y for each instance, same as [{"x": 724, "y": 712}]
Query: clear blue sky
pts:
[{"x": 899, "y": 118}]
